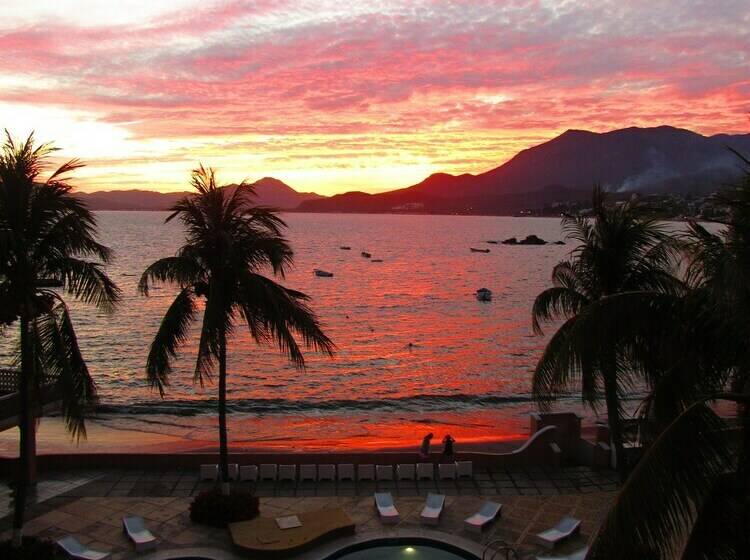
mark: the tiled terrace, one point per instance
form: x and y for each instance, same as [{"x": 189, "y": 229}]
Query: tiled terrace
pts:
[{"x": 91, "y": 505}]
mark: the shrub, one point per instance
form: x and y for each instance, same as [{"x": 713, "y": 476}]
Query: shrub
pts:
[
  {"x": 32, "y": 548},
  {"x": 218, "y": 510}
]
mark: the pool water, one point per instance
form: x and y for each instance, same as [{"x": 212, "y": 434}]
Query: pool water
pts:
[{"x": 401, "y": 552}]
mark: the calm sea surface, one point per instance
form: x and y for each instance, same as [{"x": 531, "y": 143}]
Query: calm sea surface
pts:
[{"x": 416, "y": 351}]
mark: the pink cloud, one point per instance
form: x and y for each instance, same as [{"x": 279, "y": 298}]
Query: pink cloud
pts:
[{"x": 293, "y": 68}]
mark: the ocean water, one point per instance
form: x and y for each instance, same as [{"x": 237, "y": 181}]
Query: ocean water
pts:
[{"x": 416, "y": 351}]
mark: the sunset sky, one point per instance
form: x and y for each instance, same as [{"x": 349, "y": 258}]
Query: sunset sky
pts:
[{"x": 333, "y": 96}]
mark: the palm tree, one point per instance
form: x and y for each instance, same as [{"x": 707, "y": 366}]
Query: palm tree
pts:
[
  {"x": 229, "y": 243},
  {"x": 689, "y": 496},
  {"x": 46, "y": 232},
  {"x": 619, "y": 250}
]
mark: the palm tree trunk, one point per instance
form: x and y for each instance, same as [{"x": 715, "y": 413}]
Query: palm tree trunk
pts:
[
  {"x": 615, "y": 424},
  {"x": 223, "y": 447},
  {"x": 26, "y": 474}
]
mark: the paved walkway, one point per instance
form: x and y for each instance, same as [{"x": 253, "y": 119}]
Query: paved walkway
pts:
[{"x": 532, "y": 501}]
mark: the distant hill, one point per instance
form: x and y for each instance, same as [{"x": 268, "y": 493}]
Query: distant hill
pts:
[
  {"x": 647, "y": 160},
  {"x": 269, "y": 191}
]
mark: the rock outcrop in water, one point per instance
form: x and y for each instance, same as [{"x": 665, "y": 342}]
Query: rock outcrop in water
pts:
[{"x": 528, "y": 240}]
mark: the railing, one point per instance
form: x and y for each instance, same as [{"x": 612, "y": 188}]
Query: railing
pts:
[
  {"x": 497, "y": 547},
  {"x": 9, "y": 379}
]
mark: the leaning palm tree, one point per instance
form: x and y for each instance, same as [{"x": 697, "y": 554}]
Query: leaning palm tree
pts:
[
  {"x": 46, "y": 233},
  {"x": 229, "y": 244},
  {"x": 619, "y": 250}
]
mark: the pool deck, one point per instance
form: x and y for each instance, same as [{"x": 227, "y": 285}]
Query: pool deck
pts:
[{"x": 90, "y": 505}]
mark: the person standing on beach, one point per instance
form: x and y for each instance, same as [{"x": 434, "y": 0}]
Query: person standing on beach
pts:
[
  {"x": 448, "y": 447},
  {"x": 424, "y": 450}
]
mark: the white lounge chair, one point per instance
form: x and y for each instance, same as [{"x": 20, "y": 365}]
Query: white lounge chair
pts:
[
  {"x": 346, "y": 471},
  {"x": 447, "y": 471},
  {"x": 249, "y": 473},
  {"x": 405, "y": 472},
  {"x": 386, "y": 509},
  {"x": 577, "y": 555},
  {"x": 433, "y": 507},
  {"x": 308, "y": 472},
  {"x": 566, "y": 527},
  {"x": 464, "y": 469},
  {"x": 268, "y": 471},
  {"x": 326, "y": 472},
  {"x": 136, "y": 529},
  {"x": 384, "y": 472},
  {"x": 425, "y": 471},
  {"x": 365, "y": 472},
  {"x": 209, "y": 472},
  {"x": 76, "y": 550},
  {"x": 482, "y": 518},
  {"x": 287, "y": 472}
]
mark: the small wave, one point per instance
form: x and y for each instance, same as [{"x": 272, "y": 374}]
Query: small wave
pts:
[{"x": 415, "y": 403}]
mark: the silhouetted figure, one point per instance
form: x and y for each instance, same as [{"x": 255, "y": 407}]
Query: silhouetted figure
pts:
[
  {"x": 448, "y": 447},
  {"x": 424, "y": 450}
]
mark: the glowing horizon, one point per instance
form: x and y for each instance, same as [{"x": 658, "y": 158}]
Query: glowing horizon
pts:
[{"x": 330, "y": 99}]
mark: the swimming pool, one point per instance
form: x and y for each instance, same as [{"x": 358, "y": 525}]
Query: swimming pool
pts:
[{"x": 402, "y": 549}]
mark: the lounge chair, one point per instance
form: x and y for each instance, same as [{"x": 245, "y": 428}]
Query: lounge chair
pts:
[
  {"x": 464, "y": 469},
  {"x": 76, "y": 550},
  {"x": 365, "y": 472},
  {"x": 287, "y": 472},
  {"x": 447, "y": 471},
  {"x": 425, "y": 471},
  {"x": 209, "y": 472},
  {"x": 384, "y": 472},
  {"x": 268, "y": 471},
  {"x": 566, "y": 527},
  {"x": 577, "y": 555},
  {"x": 308, "y": 472},
  {"x": 136, "y": 529},
  {"x": 249, "y": 473},
  {"x": 405, "y": 472},
  {"x": 326, "y": 472},
  {"x": 482, "y": 518},
  {"x": 433, "y": 507},
  {"x": 386, "y": 509},
  {"x": 346, "y": 471}
]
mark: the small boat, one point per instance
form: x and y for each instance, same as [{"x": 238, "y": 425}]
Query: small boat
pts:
[
  {"x": 475, "y": 250},
  {"x": 376, "y": 260},
  {"x": 345, "y": 248},
  {"x": 322, "y": 273},
  {"x": 483, "y": 294},
  {"x": 366, "y": 255}
]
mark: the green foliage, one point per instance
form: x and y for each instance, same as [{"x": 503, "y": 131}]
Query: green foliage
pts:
[
  {"x": 32, "y": 548},
  {"x": 215, "y": 509}
]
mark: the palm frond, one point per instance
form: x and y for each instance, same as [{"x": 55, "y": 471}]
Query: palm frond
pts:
[
  {"x": 656, "y": 508},
  {"x": 181, "y": 270},
  {"x": 86, "y": 281},
  {"x": 273, "y": 312},
  {"x": 554, "y": 303},
  {"x": 173, "y": 332},
  {"x": 63, "y": 362}
]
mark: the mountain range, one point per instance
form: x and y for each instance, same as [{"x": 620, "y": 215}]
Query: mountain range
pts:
[
  {"x": 269, "y": 192},
  {"x": 661, "y": 159}
]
